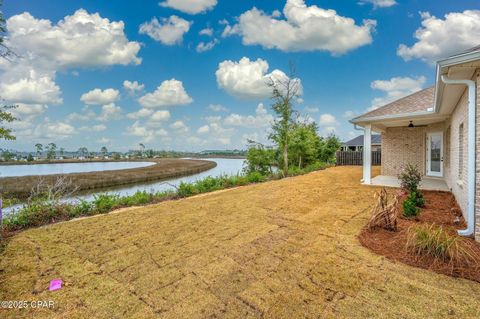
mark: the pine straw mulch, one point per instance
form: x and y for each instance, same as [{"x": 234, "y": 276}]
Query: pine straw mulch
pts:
[{"x": 441, "y": 209}]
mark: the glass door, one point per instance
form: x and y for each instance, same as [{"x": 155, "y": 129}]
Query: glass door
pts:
[{"x": 435, "y": 154}]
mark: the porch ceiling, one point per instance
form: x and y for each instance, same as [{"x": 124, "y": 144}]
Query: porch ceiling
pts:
[{"x": 417, "y": 120}]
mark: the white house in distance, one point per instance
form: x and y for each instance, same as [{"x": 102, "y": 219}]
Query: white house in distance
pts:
[{"x": 438, "y": 130}]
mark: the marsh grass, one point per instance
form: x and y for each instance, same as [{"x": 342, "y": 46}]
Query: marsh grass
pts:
[{"x": 435, "y": 241}]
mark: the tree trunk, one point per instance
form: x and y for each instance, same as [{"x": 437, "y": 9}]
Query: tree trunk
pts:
[
  {"x": 285, "y": 159},
  {"x": 300, "y": 162}
]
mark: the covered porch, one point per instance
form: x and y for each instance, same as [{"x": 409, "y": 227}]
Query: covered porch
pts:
[
  {"x": 417, "y": 139},
  {"x": 428, "y": 183}
]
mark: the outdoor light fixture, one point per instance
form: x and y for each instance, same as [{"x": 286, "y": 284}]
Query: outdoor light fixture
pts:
[{"x": 411, "y": 125}]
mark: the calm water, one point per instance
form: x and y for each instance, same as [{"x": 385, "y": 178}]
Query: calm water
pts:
[
  {"x": 224, "y": 167},
  {"x": 67, "y": 168}
]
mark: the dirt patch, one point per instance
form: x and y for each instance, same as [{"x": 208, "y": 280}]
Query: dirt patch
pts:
[
  {"x": 20, "y": 187},
  {"x": 440, "y": 209}
]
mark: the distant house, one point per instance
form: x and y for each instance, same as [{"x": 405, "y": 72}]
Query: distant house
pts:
[
  {"x": 437, "y": 130},
  {"x": 356, "y": 144}
]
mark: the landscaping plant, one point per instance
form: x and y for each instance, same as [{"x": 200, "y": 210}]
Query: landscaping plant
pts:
[
  {"x": 410, "y": 208},
  {"x": 410, "y": 179},
  {"x": 384, "y": 213},
  {"x": 436, "y": 242}
]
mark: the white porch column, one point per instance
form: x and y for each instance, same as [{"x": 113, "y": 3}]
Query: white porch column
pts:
[{"x": 367, "y": 154}]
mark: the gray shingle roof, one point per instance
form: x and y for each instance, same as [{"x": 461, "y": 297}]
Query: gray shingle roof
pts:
[
  {"x": 358, "y": 141},
  {"x": 416, "y": 102}
]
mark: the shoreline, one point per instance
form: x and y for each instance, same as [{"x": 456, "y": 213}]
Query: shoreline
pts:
[
  {"x": 110, "y": 160},
  {"x": 20, "y": 187}
]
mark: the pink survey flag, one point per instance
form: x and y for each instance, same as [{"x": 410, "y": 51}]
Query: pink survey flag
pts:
[{"x": 55, "y": 284}]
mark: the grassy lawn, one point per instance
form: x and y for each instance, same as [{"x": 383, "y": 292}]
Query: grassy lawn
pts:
[{"x": 282, "y": 249}]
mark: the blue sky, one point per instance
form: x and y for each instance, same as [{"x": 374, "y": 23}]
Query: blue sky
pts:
[{"x": 76, "y": 55}]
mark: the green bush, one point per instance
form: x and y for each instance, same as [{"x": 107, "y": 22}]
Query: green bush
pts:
[
  {"x": 255, "y": 177},
  {"x": 105, "y": 202},
  {"x": 36, "y": 213},
  {"x": 82, "y": 208},
  {"x": 410, "y": 208},
  {"x": 139, "y": 198},
  {"x": 185, "y": 190},
  {"x": 417, "y": 198}
]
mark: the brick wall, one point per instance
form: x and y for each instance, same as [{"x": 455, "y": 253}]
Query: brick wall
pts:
[
  {"x": 402, "y": 145},
  {"x": 457, "y": 182}
]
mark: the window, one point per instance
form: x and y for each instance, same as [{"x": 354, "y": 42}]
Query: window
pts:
[
  {"x": 447, "y": 147},
  {"x": 461, "y": 148}
]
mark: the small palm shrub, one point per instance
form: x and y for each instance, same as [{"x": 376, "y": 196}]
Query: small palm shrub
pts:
[{"x": 434, "y": 241}]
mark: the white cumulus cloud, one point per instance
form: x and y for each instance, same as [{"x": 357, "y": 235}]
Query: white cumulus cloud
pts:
[
  {"x": 327, "y": 120},
  {"x": 81, "y": 39},
  {"x": 190, "y": 6},
  {"x": 34, "y": 89},
  {"x": 305, "y": 28},
  {"x": 203, "y": 129},
  {"x": 439, "y": 38},
  {"x": 44, "y": 48},
  {"x": 142, "y": 113},
  {"x": 169, "y": 93},
  {"x": 100, "y": 97},
  {"x": 132, "y": 87},
  {"x": 169, "y": 31},
  {"x": 380, "y": 3},
  {"x": 206, "y": 46},
  {"x": 395, "y": 88},
  {"x": 247, "y": 79},
  {"x": 110, "y": 112},
  {"x": 261, "y": 119}
]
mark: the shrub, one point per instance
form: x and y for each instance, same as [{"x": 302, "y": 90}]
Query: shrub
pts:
[
  {"x": 410, "y": 208},
  {"x": 82, "y": 208},
  {"x": 139, "y": 198},
  {"x": 255, "y": 177},
  {"x": 417, "y": 198},
  {"x": 436, "y": 242},
  {"x": 259, "y": 159},
  {"x": 105, "y": 202},
  {"x": 185, "y": 189},
  {"x": 36, "y": 213},
  {"x": 410, "y": 178},
  {"x": 209, "y": 184}
]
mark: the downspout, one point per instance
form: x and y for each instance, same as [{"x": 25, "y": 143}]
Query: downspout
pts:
[{"x": 471, "y": 153}]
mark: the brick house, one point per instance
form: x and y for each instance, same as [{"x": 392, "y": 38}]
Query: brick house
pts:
[{"x": 438, "y": 130}]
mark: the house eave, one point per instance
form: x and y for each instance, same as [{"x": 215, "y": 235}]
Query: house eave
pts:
[{"x": 399, "y": 116}]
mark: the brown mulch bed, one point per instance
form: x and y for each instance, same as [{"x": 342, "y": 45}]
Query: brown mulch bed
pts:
[{"x": 441, "y": 209}]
